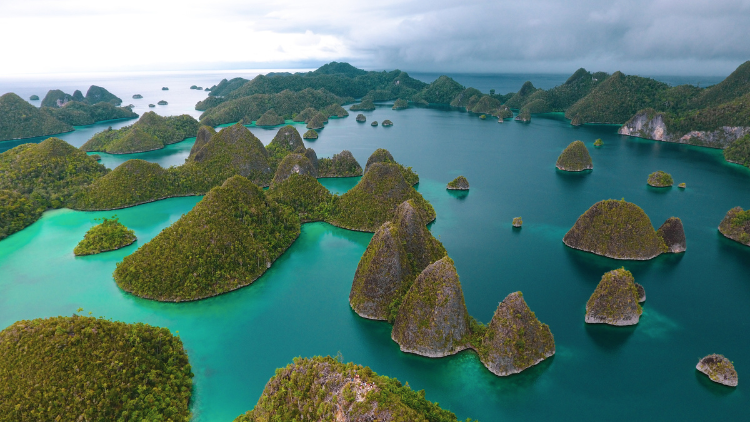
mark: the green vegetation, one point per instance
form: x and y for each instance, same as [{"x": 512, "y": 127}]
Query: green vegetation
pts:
[
  {"x": 325, "y": 389},
  {"x": 441, "y": 91},
  {"x": 317, "y": 121},
  {"x": 162, "y": 102},
  {"x": 398, "y": 252},
  {"x": 150, "y": 132},
  {"x": 293, "y": 164},
  {"x": 559, "y": 98},
  {"x": 387, "y": 123},
  {"x": 459, "y": 183},
  {"x": 201, "y": 139},
  {"x": 673, "y": 234},
  {"x": 310, "y": 134},
  {"x": 335, "y": 110},
  {"x": 23, "y": 120},
  {"x": 382, "y": 155},
  {"x": 81, "y": 114},
  {"x": 365, "y": 105},
  {"x": 682, "y": 186},
  {"x": 515, "y": 339},
  {"x": 517, "y": 222},
  {"x": 269, "y": 118},
  {"x": 137, "y": 96},
  {"x": 432, "y": 319},
  {"x": 305, "y": 115},
  {"x": 738, "y": 152},
  {"x": 615, "y": 300},
  {"x": 89, "y": 369},
  {"x": 400, "y": 104},
  {"x": 575, "y": 157},
  {"x": 598, "y": 142},
  {"x": 95, "y": 95},
  {"x": 374, "y": 123},
  {"x": 225, "y": 242},
  {"x": 109, "y": 235},
  {"x": 616, "y": 229},
  {"x": 373, "y": 200},
  {"x": 305, "y": 195},
  {"x": 286, "y": 141},
  {"x": 342, "y": 164},
  {"x": 34, "y": 98},
  {"x": 719, "y": 369},
  {"x": 361, "y": 118},
  {"x": 660, "y": 179},
  {"x": 736, "y": 225},
  {"x": 576, "y": 121},
  {"x": 16, "y": 212}
]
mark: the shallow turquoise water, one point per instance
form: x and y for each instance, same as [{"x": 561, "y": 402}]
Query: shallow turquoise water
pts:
[{"x": 697, "y": 302}]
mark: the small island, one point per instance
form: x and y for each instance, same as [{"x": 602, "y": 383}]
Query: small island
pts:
[
  {"x": 615, "y": 300},
  {"x": 598, "y": 142},
  {"x": 326, "y": 389},
  {"x": 361, "y": 118},
  {"x": 310, "y": 134},
  {"x": 365, "y": 105},
  {"x": 62, "y": 360},
  {"x": 619, "y": 230},
  {"x": 517, "y": 222},
  {"x": 641, "y": 293},
  {"x": 269, "y": 118},
  {"x": 137, "y": 96},
  {"x": 109, "y": 235},
  {"x": 482, "y": 116},
  {"x": 400, "y": 104},
  {"x": 317, "y": 121},
  {"x": 387, "y": 123},
  {"x": 660, "y": 179},
  {"x": 34, "y": 98},
  {"x": 524, "y": 116},
  {"x": 575, "y": 158},
  {"x": 374, "y": 123},
  {"x": 150, "y": 132},
  {"x": 151, "y": 105},
  {"x": 736, "y": 225},
  {"x": 673, "y": 234},
  {"x": 164, "y": 88},
  {"x": 682, "y": 185},
  {"x": 459, "y": 183},
  {"x": 162, "y": 102},
  {"x": 382, "y": 155},
  {"x": 719, "y": 370},
  {"x": 342, "y": 164}
]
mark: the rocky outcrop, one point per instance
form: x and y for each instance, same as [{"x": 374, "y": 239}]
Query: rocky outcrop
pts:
[
  {"x": 575, "y": 157},
  {"x": 719, "y": 369},
  {"x": 201, "y": 139},
  {"x": 649, "y": 124},
  {"x": 517, "y": 222},
  {"x": 361, "y": 118},
  {"x": 616, "y": 229},
  {"x": 162, "y": 102},
  {"x": 432, "y": 320},
  {"x": 374, "y": 123},
  {"x": 305, "y": 115},
  {"x": 400, "y": 104},
  {"x": 615, "y": 300},
  {"x": 736, "y": 225},
  {"x": 515, "y": 339},
  {"x": 269, "y": 118},
  {"x": 287, "y": 138},
  {"x": 293, "y": 164},
  {"x": 660, "y": 179},
  {"x": 523, "y": 116},
  {"x": 396, "y": 254},
  {"x": 387, "y": 123},
  {"x": 459, "y": 183},
  {"x": 673, "y": 235},
  {"x": 641, "y": 293},
  {"x": 310, "y": 134}
]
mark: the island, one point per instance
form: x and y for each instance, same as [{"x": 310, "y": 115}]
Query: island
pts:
[
  {"x": 575, "y": 158},
  {"x": 108, "y": 235},
  {"x": 269, "y": 118},
  {"x": 673, "y": 234},
  {"x": 738, "y": 152},
  {"x": 305, "y": 195},
  {"x": 615, "y": 300},
  {"x": 641, "y": 293},
  {"x": 150, "y": 132},
  {"x": 576, "y": 121},
  {"x": 483, "y": 117},
  {"x": 719, "y": 370},
  {"x": 598, "y": 142},
  {"x": 361, "y": 118},
  {"x": 34, "y": 98},
  {"x": 335, "y": 110},
  {"x": 293, "y": 164},
  {"x": 459, "y": 183},
  {"x": 151, "y": 105},
  {"x": 317, "y": 121},
  {"x": 517, "y": 222},
  {"x": 515, "y": 339},
  {"x": 225, "y": 242},
  {"x": 342, "y": 164},
  {"x": 432, "y": 319},
  {"x": 736, "y": 225},
  {"x": 398, "y": 252},
  {"x": 365, "y": 105},
  {"x": 55, "y": 366},
  {"x": 23, "y": 120},
  {"x": 660, "y": 179},
  {"x": 382, "y": 155},
  {"x": 164, "y": 88},
  {"x": 616, "y": 229},
  {"x": 162, "y": 102},
  {"x": 326, "y": 389},
  {"x": 204, "y": 135},
  {"x": 387, "y": 123},
  {"x": 137, "y": 96},
  {"x": 400, "y": 104},
  {"x": 94, "y": 95},
  {"x": 305, "y": 115},
  {"x": 374, "y": 123},
  {"x": 682, "y": 185},
  {"x": 310, "y": 134}
]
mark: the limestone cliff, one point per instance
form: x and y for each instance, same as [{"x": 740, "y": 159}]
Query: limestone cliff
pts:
[
  {"x": 615, "y": 300},
  {"x": 719, "y": 369},
  {"x": 673, "y": 235}
]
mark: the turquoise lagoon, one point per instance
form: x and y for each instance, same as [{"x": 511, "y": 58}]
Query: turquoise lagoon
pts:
[{"x": 697, "y": 301}]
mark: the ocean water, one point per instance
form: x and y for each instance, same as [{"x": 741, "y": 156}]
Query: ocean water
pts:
[{"x": 697, "y": 301}]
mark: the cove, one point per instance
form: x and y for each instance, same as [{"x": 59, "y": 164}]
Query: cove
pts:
[{"x": 696, "y": 303}]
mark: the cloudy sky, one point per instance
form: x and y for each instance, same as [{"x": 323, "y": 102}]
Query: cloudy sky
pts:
[{"x": 698, "y": 37}]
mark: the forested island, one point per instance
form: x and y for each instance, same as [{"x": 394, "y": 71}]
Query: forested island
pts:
[
  {"x": 108, "y": 235},
  {"x": 149, "y": 133}
]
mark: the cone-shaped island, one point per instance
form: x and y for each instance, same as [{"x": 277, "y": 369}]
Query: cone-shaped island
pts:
[
  {"x": 615, "y": 300},
  {"x": 575, "y": 158}
]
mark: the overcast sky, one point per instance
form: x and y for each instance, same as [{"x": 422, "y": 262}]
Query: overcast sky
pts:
[{"x": 696, "y": 37}]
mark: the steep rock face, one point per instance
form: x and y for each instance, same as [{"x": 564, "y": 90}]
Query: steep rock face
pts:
[
  {"x": 382, "y": 155},
  {"x": 293, "y": 164},
  {"x": 310, "y": 134},
  {"x": 399, "y": 250},
  {"x": 235, "y": 150},
  {"x": 641, "y": 293},
  {"x": 738, "y": 152},
  {"x": 736, "y": 225},
  {"x": 269, "y": 118},
  {"x": 312, "y": 156},
  {"x": 575, "y": 158},
  {"x": 361, "y": 118},
  {"x": 616, "y": 229},
  {"x": 342, "y": 164},
  {"x": 317, "y": 121},
  {"x": 432, "y": 319},
  {"x": 287, "y": 138},
  {"x": 719, "y": 369},
  {"x": 201, "y": 139},
  {"x": 459, "y": 183},
  {"x": 673, "y": 234},
  {"x": 649, "y": 124},
  {"x": 615, "y": 300},
  {"x": 515, "y": 339}
]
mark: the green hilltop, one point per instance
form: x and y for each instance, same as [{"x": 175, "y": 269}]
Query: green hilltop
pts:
[
  {"x": 149, "y": 133},
  {"x": 23, "y": 120},
  {"x": 109, "y": 235}
]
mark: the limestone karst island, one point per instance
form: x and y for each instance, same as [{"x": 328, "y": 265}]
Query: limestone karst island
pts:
[{"x": 307, "y": 212}]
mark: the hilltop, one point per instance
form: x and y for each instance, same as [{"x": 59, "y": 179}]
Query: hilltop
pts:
[
  {"x": 149, "y": 133},
  {"x": 23, "y": 120}
]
